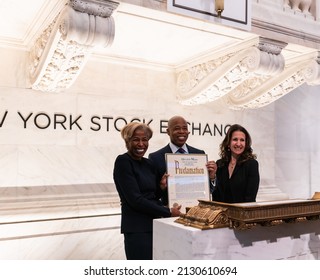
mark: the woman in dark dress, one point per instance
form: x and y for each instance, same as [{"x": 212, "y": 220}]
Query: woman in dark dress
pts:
[
  {"x": 237, "y": 176},
  {"x": 138, "y": 186}
]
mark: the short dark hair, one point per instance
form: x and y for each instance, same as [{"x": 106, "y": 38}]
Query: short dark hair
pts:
[{"x": 128, "y": 130}]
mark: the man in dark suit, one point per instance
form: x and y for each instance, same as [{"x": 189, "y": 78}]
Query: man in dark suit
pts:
[{"x": 178, "y": 133}]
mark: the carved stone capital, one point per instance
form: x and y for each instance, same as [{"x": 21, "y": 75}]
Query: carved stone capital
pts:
[
  {"x": 61, "y": 51},
  {"x": 271, "y": 46},
  {"x": 235, "y": 72},
  {"x": 100, "y": 8},
  {"x": 264, "y": 63},
  {"x": 312, "y": 72},
  {"x": 266, "y": 58}
]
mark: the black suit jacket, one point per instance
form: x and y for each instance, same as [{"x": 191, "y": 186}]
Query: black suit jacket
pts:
[
  {"x": 159, "y": 161},
  {"x": 138, "y": 187},
  {"x": 241, "y": 187}
]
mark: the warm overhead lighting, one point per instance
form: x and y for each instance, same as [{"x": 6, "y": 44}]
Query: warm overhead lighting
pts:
[{"x": 219, "y": 7}]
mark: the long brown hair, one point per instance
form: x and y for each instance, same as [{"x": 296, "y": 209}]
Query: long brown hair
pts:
[{"x": 225, "y": 152}]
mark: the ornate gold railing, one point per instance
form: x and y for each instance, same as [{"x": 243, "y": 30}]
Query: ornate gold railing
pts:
[{"x": 212, "y": 214}]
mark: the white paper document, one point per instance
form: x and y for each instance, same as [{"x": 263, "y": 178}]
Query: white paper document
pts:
[{"x": 188, "y": 179}]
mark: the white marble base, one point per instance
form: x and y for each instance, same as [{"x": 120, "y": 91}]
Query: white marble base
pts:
[{"x": 173, "y": 241}]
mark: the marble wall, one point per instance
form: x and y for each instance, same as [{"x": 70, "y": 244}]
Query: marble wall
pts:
[
  {"x": 60, "y": 222},
  {"x": 57, "y": 197},
  {"x": 297, "y": 147},
  {"x": 57, "y": 153},
  {"x": 73, "y": 137}
]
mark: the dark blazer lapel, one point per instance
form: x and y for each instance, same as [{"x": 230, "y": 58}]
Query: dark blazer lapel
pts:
[{"x": 168, "y": 149}]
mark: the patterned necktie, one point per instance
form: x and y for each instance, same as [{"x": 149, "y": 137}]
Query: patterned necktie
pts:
[{"x": 180, "y": 151}]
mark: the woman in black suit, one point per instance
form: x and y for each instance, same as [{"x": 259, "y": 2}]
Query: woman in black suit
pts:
[
  {"x": 237, "y": 176},
  {"x": 138, "y": 186}
]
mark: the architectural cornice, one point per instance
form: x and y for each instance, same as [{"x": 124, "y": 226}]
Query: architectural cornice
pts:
[
  {"x": 292, "y": 35},
  {"x": 249, "y": 79},
  {"x": 61, "y": 51},
  {"x": 246, "y": 70}
]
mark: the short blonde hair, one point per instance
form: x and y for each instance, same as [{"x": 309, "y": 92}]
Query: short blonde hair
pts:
[{"x": 128, "y": 130}]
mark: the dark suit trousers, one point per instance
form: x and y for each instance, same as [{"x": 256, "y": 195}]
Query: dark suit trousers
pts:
[{"x": 138, "y": 245}]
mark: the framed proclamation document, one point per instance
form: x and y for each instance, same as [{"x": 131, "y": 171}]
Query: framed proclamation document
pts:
[{"x": 188, "y": 179}]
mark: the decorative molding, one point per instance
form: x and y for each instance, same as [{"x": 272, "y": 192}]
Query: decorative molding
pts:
[
  {"x": 204, "y": 217},
  {"x": 201, "y": 76},
  {"x": 251, "y": 78},
  {"x": 62, "y": 50},
  {"x": 241, "y": 216},
  {"x": 260, "y": 94},
  {"x": 100, "y": 8},
  {"x": 295, "y": 36},
  {"x": 312, "y": 72},
  {"x": 297, "y": 20},
  {"x": 238, "y": 73},
  {"x": 299, "y": 5},
  {"x": 266, "y": 91}
]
